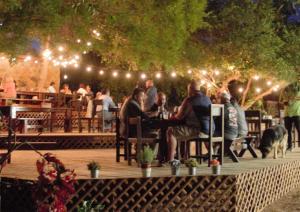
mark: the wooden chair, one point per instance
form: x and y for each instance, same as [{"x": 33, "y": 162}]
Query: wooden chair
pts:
[
  {"x": 254, "y": 120},
  {"x": 77, "y": 106},
  {"x": 216, "y": 111},
  {"x": 120, "y": 141},
  {"x": 138, "y": 140},
  {"x": 97, "y": 115}
]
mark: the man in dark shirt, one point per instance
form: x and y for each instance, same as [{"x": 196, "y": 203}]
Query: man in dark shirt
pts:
[
  {"x": 195, "y": 125},
  {"x": 133, "y": 108}
]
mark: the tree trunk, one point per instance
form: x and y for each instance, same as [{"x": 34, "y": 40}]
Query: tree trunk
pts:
[
  {"x": 44, "y": 68},
  {"x": 246, "y": 92}
]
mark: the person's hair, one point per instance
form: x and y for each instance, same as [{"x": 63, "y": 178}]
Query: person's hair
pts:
[
  {"x": 66, "y": 84},
  {"x": 81, "y": 85},
  {"x": 136, "y": 92},
  {"x": 105, "y": 91},
  {"x": 195, "y": 85},
  {"x": 52, "y": 83},
  {"x": 161, "y": 94}
]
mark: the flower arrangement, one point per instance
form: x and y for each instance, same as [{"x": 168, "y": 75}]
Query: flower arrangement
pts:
[
  {"x": 192, "y": 162},
  {"x": 214, "y": 162},
  {"x": 90, "y": 206},
  {"x": 93, "y": 166},
  {"x": 175, "y": 167},
  {"x": 215, "y": 167},
  {"x": 175, "y": 163},
  {"x": 54, "y": 186}
]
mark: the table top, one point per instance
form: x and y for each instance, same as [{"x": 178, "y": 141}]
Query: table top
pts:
[{"x": 162, "y": 123}]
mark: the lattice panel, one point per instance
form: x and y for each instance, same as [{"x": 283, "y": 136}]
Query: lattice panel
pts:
[
  {"x": 68, "y": 142},
  {"x": 215, "y": 193},
  {"x": 259, "y": 188},
  {"x": 87, "y": 142}
]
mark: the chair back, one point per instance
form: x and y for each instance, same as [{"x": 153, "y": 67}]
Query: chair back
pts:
[
  {"x": 215, "y": 115},
  {"x": 97, "y": 106},
  {"x": 254, "y": 120}
]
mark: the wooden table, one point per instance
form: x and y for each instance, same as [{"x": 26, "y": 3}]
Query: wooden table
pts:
[{"x": 162, "y": 125}]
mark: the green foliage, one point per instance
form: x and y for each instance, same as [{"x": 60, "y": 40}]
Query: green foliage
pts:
[
  {"x": 90, "y": 206},
  {"x": 93, "y": 166},
  {"x": 146, "y": 155},
  {"x": 140, "y": 33},
  {"x": 192, "y": 162}
]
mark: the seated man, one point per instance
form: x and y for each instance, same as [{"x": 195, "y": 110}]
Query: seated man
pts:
[
  {"x": 230, "y": 122},
  {"x": 133, "y": 108},
  {"x": 159, "y": 108},
  {"x": 193, "y": 125}
]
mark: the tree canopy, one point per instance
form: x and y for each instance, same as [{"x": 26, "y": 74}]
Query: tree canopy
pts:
[{"x": 141, "y": 33}]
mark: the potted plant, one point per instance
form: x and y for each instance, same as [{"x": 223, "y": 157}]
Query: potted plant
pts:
[
  {"x": 90, "y": 206},
  {"x": 192, "y": 164},
  {"x": 175, "y": 167},
  {"x": 146, "y": 158},
  {"x": 94, "y": 167},
  {"x": 215, "y": 167}
]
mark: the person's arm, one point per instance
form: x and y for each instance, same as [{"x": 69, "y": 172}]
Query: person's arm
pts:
[
  {"x": 185, "y": 108},
  {"x": 111, "y": 103}
]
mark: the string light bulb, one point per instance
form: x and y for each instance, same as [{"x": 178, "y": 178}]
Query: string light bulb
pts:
[
  {"x": 89, "y": 68},
  {"x": 158, "y": 75},
  {"x": 204, "y": 72},
  {"x": 189, "y": 71},
  {"x": 27, "y": 58},
  {"x": 143, "y": 76},
  {"x": 65, "y": 76},
  {"x": 115, "y": 74},
  {"x": 36, "y": 62},
  {"x": 76, "y": 65},
  {"x": 173, "y": 74},
  {"x": 89, "y": 43},
  {"x": 101, "y": 72},
  {"x": 241, "y": 90},
  {"x": 78, "y": 41},
  {"x": 256, "y": 77},
  {"x": 47, "y": 53},
  {"x": 128, "y": 75},
  {"x": 258, "y": 90},
  {"x": 217, "y": 72},
  {"x": 61, "y": 48},
  {"x": 269, "y": 83}
]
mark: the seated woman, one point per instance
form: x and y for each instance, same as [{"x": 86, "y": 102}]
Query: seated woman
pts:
[{"x": 66, "y": 89}]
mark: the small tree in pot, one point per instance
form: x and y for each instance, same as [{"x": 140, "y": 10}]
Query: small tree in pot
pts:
[
  {"x": 146, "y": 158},
  {"x": 94, "y": 167},
  {"x": 192, "y": 164}
]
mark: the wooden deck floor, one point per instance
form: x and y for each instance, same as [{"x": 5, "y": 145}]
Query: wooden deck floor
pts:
[{"x": 23, "y": 164}]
